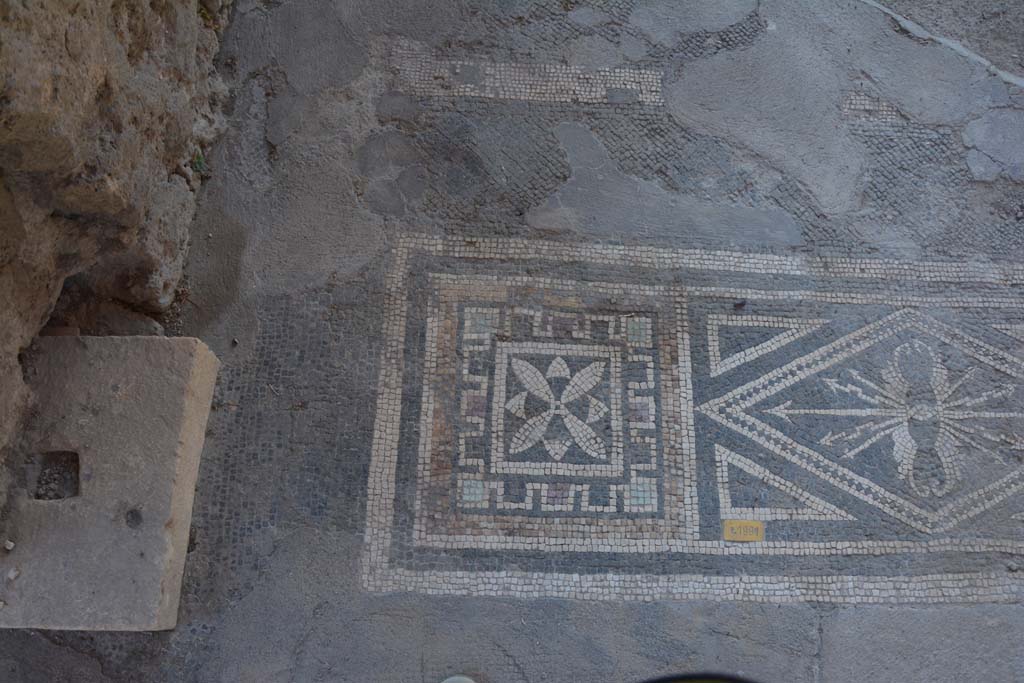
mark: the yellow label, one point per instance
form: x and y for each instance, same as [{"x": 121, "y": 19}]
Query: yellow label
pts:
[{"x": 743, "y": 530}]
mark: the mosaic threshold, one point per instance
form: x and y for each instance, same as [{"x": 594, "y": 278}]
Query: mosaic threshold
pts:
[{"x": 580, "y": 421}]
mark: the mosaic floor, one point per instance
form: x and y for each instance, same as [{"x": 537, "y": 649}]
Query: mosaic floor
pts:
[{"x": 582, "y": 421}]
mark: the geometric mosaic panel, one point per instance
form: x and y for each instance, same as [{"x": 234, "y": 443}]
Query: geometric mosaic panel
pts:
[
  {"x": 571, "y": 420},
  {"x": 567, "y": 414},
  {"x": 924, "y": 421}
]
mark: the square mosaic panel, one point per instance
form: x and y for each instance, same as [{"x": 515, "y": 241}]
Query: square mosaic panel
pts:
[
  {"x": 567, "y": 416},
  {"x": 575, "y": 420}
]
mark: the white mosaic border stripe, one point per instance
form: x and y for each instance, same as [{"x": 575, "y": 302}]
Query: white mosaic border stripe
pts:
[
  {"x": 861, "y": 590},
  {"x": 661, "y": 258},
  {"x": 379, "y": 575},
  {"x": 424, "y": 75},
  {"x": 380, "y": 495}
]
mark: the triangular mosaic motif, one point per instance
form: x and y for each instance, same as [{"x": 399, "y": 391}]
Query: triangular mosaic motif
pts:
[
  {"x": 808, "y": 507},
  {"x": 787, "y": 330}
]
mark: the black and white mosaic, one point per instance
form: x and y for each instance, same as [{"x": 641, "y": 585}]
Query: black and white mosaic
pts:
[{"x": 587, "y": 436}]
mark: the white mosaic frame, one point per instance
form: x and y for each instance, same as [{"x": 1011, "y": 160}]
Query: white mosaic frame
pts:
[{"x": 380, "y": 574}]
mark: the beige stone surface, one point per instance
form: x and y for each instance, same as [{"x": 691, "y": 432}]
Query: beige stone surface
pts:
[{"x": 112, "y": 557}]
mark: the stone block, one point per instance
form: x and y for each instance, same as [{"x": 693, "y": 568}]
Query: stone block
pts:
[{"x": 101, "y": 521}]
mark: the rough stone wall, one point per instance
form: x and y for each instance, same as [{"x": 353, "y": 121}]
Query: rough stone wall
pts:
[{"x": 105, "y": 109}]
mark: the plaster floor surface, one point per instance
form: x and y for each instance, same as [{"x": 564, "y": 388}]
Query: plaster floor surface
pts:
[{"x": 520, "y": 304}]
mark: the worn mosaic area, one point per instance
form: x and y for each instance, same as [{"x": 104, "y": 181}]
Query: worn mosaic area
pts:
[
  {"x": 475, "y": 140},
  {"x": 587, "y": 436},
  {"x": 419, "y": 72}
]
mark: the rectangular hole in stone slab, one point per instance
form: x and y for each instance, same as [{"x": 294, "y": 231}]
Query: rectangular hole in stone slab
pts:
[{"x": 58, "y": 475}]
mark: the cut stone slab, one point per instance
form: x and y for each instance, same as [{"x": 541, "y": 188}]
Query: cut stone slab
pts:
[
  {"x": 962, "y": 643},
  {"x": 101, "y": 524},
  {"x": 999, "y": 136}
]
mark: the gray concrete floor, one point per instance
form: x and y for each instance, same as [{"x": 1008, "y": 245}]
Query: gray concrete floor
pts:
[{"x": 801, "y": 128}]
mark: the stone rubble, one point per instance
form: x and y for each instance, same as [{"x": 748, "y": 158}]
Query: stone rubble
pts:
[{"x": 105, "y": 113}]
